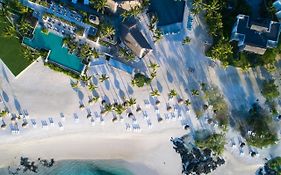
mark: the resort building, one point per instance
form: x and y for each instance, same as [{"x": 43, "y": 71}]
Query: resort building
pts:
[
  {"x": 134, "y": 39},
  {"x": 170, "y": 14},
  {"x": 255, "y": 35}
]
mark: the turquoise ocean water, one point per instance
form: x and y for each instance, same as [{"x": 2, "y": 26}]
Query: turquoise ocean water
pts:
[{"x": 75, "y": 167}]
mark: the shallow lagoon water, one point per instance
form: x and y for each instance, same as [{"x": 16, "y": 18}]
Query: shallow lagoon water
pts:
[{"x": 80, "y": 167}]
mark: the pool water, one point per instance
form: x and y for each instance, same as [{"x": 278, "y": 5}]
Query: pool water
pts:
[
  {"x": 168, "y": 11},
  {"x": 58, "y": 54}
]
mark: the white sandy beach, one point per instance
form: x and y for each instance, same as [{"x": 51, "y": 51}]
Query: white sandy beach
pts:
[{"x": 46, "y": 94}]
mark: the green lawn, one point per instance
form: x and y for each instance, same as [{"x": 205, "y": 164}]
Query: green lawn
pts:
[{"x": 10, "y": 51}]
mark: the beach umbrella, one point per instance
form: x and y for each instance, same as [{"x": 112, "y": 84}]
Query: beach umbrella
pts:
[
  {"x": 24, "y": 125},
  {"x": 81, "y": 106},
  {"x": 89, "y": 115},
  {"x": 160, "y": 119},
  {"x": 3, "y": 126},
  {"x": 138, "y": 110},
  {"x": 157, "y": 103},
  {"x": 130, "y": 115},
  {"x": 169, "y": 109},
  {"x": 114, "y": 119},
  {"x": 180, "y": 101},
  {"x": 103, "y": 112}
]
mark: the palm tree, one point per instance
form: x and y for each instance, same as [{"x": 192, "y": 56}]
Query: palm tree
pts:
[
  {"x": 197, "y": 7},
  {"x": 153, "y": 66},
  {"x": 134, "y": 82},
  {"x": 187, "y": 102},
  {"x": 24, "y": 28},
  {"x": 85, "y": 78},
  {"x": 153, "y": 74},
  {"x": 106, "y": 30},
  {"x": 91, "y": 86},
  {"x": 157, "y": 35},
  {"x": 10, "y": 31},
  {"x": 195, "y": 92},
  {"x": 95, "y": 53},
  {"x": 155, "y": 93},
  {"x": 108, "y": 107},
  {"x": 3, "y": 113},
  {"x": 74, "y": 85},
  {"x": 119, "y": 109},
  {"x": 103, "y": 77},
  {"x": 132, "y": 101},
  {"x": 93, "y": 99},
  {"x": 99, "y": 5},
  {"x": 186, "y": 40},
  {"x": 30, "y": 54},
  {"x": 133, "y": 12},
  {"x": 172, "y": 93}
]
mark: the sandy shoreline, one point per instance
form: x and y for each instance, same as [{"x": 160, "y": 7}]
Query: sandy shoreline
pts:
[
  {"x": 147, "y": 153},
  {"x": 145, "y": 150}
]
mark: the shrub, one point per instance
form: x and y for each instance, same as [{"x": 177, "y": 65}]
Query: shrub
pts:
[
  {"x": 259, "y": 122},
  {"x": 59, "y": 69},
  {"x": 269, "y": 90},
  {"x": 140, "y": 80},
  {"x": 275, "y": 164},
  {"x": 215, "y": 142}
]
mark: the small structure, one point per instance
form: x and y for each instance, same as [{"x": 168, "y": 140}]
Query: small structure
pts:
[
  {"x": 255, "y": 35},
  {"x": 94, "y": 19},
  {"x": 133, "y": 38},
  {"x": 121, "y": 66}
]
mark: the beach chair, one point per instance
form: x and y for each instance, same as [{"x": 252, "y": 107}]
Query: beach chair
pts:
[
  {"x": 51, "y": 122},
  {"x": 76, "y": 118},
  {"x": 149, "y": 124},
  {"x": 93, "y": 123},
  {"x": 33, "y": 123},
  {"x": 60, "y": 126}
]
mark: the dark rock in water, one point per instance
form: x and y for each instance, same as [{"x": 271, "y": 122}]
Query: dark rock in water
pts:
[
  {"x": 195, "y": 160},
  {"x": 47, "y": 163}
]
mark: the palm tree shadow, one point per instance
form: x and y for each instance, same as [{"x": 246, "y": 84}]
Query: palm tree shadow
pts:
[
  {"x": 107, "y": 84},
  {"x": 170, "y": 77},
  {"x": 17, "y": 104},
  {"x": 159, "y": 87},
  {"x": 130, "y": 89},
  {"x": 80, "y": 95},
  {"x": 121, "y": 93},
  {"x": 5, "y": 96}
]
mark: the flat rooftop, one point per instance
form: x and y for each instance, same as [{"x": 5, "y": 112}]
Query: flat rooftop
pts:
[{"x": 167, "y": 11}]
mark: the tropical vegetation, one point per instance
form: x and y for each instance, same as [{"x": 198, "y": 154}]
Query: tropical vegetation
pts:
[
  {"x": 140, "y": 80},
  {"x": 220, "y": 106},
  {"x": 275, "y": 164},
  {"x": 270, "y": 90},
  {"x": 215, "y": 142},
  {"x": 259, "y": 123}
]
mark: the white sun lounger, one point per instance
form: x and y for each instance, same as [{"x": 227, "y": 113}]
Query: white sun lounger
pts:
[
  {"x": 44, "y": 124},
  {"x": 93, "y": 123},
  {"x": 128, "y": 127},
  {"x": 51, "y": 122},
  {"x": 149, "y": 124},
  {"x": 76, "y": 118},
  {"x": 33, "y": 123},
  {"x": 60, "y": 126}
]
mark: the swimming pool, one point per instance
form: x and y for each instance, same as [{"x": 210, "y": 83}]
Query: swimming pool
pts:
[
  {"x": 168, "y": 11},
  {"x": 59, "y": 55}
]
